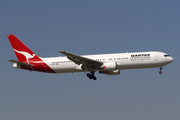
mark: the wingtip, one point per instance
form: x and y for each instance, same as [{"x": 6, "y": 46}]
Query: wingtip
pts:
[
  {"x": 8, "y": 59},
  {"x": 62, "y": 51}
]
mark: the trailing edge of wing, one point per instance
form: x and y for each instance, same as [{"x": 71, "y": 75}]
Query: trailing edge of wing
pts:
[
  {"x": 20, "y": 63},
  {"x": 81, "y": 60}
]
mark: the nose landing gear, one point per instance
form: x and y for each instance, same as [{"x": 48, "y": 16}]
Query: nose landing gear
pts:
[
  {"x": 161, "y": 68},
  {"x": 91, "y": 75}
]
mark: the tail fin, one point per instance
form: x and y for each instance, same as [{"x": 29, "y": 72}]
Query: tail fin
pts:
[{"x": 23, "y": 53}]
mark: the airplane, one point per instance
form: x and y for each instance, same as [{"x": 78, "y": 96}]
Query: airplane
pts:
[{"x": 109, "y": 64}]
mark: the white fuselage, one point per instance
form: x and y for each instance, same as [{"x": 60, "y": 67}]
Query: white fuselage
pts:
[
  {"x": 109, "y": 64},
  {"x": 133, "y": 60}
]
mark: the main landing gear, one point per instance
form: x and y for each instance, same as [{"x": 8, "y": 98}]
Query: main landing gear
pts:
[
  {"x": 161, "y": 68},
  {"x": 91, "y": 75}
]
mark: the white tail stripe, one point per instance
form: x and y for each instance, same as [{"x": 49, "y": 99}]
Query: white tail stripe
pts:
[{"x": 26, "y": 54}]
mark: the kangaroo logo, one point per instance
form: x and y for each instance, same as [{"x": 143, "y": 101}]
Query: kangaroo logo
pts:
[
  {"x": 26, "y": 54},
  {"x": 104, "y": 67}
]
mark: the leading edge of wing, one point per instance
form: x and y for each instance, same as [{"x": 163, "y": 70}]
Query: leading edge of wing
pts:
[{"x": 81, "y": 60}]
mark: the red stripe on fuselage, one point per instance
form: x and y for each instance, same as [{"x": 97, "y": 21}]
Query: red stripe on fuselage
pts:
[
  {"x": 38, "y": 65},
  {"x": 41, "y": 66}
]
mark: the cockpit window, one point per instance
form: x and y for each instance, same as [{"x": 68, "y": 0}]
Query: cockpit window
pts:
[{"x": 166, "y": 55}]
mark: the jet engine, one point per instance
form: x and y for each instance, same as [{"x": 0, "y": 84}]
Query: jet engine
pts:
[{"x": 110, "y": 66}]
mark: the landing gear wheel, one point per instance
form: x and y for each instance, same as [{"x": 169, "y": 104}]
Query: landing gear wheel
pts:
[
  {"x": 94, "y": 78},
  {"x": 91, "y": 76},
  {"x": 161, "y": 68},
  {"x": 160, "y": 72},
  {"x": 88, "y": 75}
]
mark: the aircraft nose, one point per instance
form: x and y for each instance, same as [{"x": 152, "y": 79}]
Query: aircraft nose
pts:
[{"x": 171, "y": 59}]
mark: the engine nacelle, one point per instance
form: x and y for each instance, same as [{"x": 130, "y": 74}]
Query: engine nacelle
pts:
[
  {"x": 110, "y": 66},
  {"x": 113, "y": 72}
]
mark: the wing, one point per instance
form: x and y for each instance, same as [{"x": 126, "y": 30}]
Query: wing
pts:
[
  {"x": 81, "y": 60},
  {"x": 20, "y": 63}
]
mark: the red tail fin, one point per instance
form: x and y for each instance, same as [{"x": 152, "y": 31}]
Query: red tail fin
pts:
[
  {"x": 25, "y": 55},
  {"x": 22, "y": 52}
]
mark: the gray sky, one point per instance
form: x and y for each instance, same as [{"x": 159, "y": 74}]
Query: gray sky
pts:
[{"x": 90, "y": 27}]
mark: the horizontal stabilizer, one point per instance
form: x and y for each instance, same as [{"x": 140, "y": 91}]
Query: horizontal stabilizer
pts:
[{"x": 20, "y": 63}]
